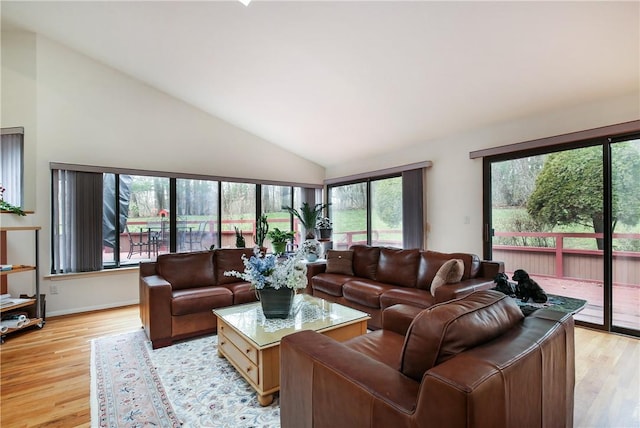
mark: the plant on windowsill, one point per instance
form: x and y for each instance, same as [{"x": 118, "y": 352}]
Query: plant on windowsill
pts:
[
  {"x": 240, "y": 242},
  {"x": 308, "y": 216},
  {"x": 6, "y": 206},
  {"x": 279, "y": 239},
  {"x": 262, "y": 228},
  {"x": 324, "y": 226}
]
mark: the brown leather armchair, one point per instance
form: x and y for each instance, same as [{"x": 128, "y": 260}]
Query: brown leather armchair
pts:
[{"x": 472, "y": 362}]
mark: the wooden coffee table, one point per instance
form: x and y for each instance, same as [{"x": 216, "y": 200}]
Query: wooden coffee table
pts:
[{"x": 252, "y": 343}]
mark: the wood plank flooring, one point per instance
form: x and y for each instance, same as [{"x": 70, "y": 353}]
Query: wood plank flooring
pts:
[{"x": 45, "y": 374}]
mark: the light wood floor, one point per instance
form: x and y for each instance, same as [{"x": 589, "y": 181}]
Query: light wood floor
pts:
[{"x": 45, "y": 373}]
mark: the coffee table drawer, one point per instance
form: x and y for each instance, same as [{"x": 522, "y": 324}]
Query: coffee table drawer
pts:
[
  {"x": 250, "y": 351},
  {"x": 245, "y": 366}
]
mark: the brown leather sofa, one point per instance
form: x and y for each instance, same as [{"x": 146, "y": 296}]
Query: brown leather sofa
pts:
[
  {"x": 383, "y": 277},
  {"x": 473, "y": 362},
  {"x": 179, "y": 290}
]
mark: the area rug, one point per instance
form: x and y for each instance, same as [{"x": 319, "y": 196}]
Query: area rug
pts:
[{"x": 185, "y": 384}]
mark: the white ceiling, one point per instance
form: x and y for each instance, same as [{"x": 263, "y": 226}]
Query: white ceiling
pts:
[{"x": 331, "y": 80}]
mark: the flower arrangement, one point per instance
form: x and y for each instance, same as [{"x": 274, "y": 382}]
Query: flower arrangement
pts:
[
  {"x": 311, "y": 246},
  {"x": 323, "y": 223},
  {"x": 268, "y": 271}
]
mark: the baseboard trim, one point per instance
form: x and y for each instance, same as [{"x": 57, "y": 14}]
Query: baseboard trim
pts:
[{"x": 92, "y": 308}]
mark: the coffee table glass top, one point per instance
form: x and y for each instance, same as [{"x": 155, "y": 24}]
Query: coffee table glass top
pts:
[{"x": 307, "y": 313}]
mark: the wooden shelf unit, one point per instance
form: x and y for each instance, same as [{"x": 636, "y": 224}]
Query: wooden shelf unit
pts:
[{"x": 16, "y": 269}]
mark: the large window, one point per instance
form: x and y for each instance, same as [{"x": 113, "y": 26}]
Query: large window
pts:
[
  {"x": 107, "y": 218},
  {"x": 379, "y": 210}
]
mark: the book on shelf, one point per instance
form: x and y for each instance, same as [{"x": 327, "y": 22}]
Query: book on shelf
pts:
[
  {"x": 7, "y": 301},
  {"x": 5, "y": 267}
]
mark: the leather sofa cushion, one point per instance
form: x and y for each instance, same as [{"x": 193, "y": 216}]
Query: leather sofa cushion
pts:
[
  {"x": 187, "y": 270},
  {"x": 407, "y": 296},
  {"x": 398, "y": 267},
  {"x": 202, "y": 299},
  {"x": 329, "y": 283},
  {"x": 225, "y": 259},
  {"x": 243, "y": 292},
  {"x": 445, "y": 330},
  {"x": 364, "y": 292},
  {"x": 365, "y": 261},
  {"x": 431, "y": 261},
  {"x": 381, "y": 345}
]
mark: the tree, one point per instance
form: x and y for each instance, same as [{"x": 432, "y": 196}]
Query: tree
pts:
[
  {"x": 569, "y": 189},
  {"x": 387, "y": 196},
  {"x": 513, "y": 181}
]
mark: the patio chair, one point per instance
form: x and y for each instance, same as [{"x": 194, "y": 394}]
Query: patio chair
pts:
[{"x": 135, "y": 247}]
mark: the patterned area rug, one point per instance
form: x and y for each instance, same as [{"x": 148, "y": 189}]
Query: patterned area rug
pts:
[{"x": 186, "y": 384}]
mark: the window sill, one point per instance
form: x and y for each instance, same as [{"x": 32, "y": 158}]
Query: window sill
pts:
[{"x": 82, "y": 275}]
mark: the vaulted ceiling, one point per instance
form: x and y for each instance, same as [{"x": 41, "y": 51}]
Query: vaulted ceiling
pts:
[{"x": 331, "y": 80}]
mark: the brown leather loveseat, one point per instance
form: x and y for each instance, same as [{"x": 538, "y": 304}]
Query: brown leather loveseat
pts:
[
  {"x": 473, "y": 362},
  {"x": 179, "y": 290},
  {"x": 380, "y": 277}
]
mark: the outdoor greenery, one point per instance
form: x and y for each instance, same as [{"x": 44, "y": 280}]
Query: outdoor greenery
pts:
[
  {"x": 569, "y": 189},
  {"x": 562, "y": 192},
  {"x": 387, "y": 197}
]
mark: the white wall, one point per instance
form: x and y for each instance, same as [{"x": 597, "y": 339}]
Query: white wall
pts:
[
  {"x": 454, "y": 182},
  {"x": 80, "y": 111}
]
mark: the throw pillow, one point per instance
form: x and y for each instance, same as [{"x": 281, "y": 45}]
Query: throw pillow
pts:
[
  {"x": 450, "y": 272},
  {"x": 340, "y": 262}
]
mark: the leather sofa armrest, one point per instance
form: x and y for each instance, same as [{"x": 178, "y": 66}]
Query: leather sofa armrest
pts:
[
  {"x": 313, "y": 269},
  {"x": 326, "y": 377},
  {"x": 489, "y": 269},
  {"x": 398, "y": 318},
  {"x": 460, "y": 289},
  {"x": 156, "y": 297}
]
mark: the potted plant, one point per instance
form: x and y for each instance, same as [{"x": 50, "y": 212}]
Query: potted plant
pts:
[
  {"x": 324, "y": 226},
  {"x": 312, "y": 249},
  {"x": 240, "y": 242},
  {"x": 6, "y": 206},
  {"x": 274, "y": 280},
  {"x": 279, "y": 239},
  {"x": 308, "y": 216},
  {"x": 262, "y": 228}
]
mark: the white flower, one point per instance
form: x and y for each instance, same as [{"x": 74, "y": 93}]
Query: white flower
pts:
[
  {"x": 323, "y": 223},
  {"x": 270, "y": 272},
  {"x": 311, "y": 246}
]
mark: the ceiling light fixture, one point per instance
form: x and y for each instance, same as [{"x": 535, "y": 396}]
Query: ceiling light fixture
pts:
[{"x": 245, "y": 2}]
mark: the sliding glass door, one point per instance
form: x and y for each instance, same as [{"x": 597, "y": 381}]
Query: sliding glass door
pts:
[
  {"x": 571, "y": 219},
  {"x": 625, "y": 197}
]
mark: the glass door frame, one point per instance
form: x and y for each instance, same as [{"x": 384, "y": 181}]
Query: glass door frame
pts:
[{"x": 604, "y": 142}]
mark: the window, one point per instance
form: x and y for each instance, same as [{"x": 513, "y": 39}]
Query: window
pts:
[
  {"x": 273, "y": 198},
  {"x": 12, "y": 165},
  {"x": 379, "y": 210},
  {"x": 238, "y": 213},
  {"x": 198, "y": 214},
  {"x": 153, "y": 214}
]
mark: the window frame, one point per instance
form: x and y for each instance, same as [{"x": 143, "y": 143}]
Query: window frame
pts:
[{"x": 173, "y": 177}]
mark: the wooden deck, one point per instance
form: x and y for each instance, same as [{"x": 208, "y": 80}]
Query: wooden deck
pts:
[{"x": 626, "y": 299}]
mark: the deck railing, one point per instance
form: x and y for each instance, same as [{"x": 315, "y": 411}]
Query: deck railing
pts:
[{"x": 561, "y": 262}]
